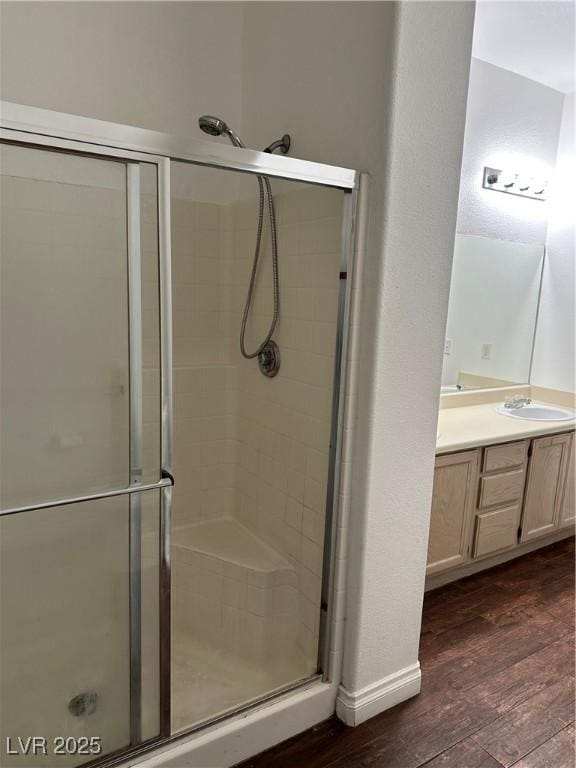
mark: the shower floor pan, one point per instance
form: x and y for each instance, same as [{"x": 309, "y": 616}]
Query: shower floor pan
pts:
[{"x": 236, "y": 617}]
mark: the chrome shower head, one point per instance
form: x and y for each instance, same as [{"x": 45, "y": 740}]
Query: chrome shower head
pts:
[{"x": 214, "y": 126}]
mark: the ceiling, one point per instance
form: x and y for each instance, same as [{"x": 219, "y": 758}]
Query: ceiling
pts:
[{"x": 534, "y": 38}]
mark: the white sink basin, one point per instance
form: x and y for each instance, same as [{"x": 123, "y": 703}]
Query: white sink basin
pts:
[{"x": 537, "y": 413}]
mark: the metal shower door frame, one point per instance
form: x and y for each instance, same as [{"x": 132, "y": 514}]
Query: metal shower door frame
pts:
[
  {"x": 47, "y": 129},
  {"x": 133, "y": 492},
  {"x": 99, "y": 133}
]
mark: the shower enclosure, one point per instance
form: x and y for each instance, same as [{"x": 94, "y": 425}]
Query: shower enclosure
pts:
[{"x": 166, "y": 511}]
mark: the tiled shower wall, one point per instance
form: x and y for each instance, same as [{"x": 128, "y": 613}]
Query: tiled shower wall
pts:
[
  {"x": 205, "y": 380},
  {"x": 245, "y": 445},
  {"x": 284, "y": 422}
]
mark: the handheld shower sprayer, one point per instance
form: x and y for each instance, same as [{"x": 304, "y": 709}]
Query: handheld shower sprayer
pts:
[
  {"x": 267, "y": 352},
  {"x": 215, "y": 126}
]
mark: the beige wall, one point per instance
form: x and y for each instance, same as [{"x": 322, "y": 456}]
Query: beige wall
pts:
[
  {"x": 317, "y": 71},
  {"x": 150, "y": 64}
]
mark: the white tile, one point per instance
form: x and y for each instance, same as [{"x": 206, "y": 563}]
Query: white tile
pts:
[
  {"x": 319, "y": 203},
  {"x": 310, "y": 614},
  {"x": 295, "y": 484},
  {"x": 234, "y": 572},
  {"x": 313, "y": 525},
  {"x": 230, "y": 626},
  {"x": 210, "y": 564},
  {"x": 207, "y": 216},
  {"x": 321, "y": 236},
  {"x": 208, "y": 585},
  {"x": 234, "y": 593},
  {"x": 294, "y": 514},
  {"x": 259, "y": 579},
  {"x": 292, "y": 542},
  {"x": 309, "y": 584},
  {"x": 314, "y": 495},
  {"x": 256, "y": 600},
  {"x": 285, "y": 601},
  {"x": 311, "y": 556}
]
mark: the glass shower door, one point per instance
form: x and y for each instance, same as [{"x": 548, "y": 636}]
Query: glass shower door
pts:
[
  {"x": 253, "y": 454},
  {"x": 79, "y": 434}
]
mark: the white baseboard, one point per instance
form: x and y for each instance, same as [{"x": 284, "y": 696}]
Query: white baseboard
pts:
[
  {"x": 355, "y": 708},
  {"x": 241, "y": 737}
]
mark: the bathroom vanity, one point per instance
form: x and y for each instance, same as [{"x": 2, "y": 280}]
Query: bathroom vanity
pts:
[
  {"x": 502, "y": 487},
  {"x": 504, "y": 474}
]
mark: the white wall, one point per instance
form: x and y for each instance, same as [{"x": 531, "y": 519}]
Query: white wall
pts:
[
  {"x": 555, "y": 339},
  {"x": 511, "y": 122},
  {"x": 150, "y": 64},
  {"x": 412, "y": 225},
  {"x": 157, "y": 65},
  {"x": 330, "y": 96}
]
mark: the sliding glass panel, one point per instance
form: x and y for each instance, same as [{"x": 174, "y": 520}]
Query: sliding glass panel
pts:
[
  {"x": 65, "y": 311},
  {"x": 64, "y": 326},
  {"x": 79, "y": 416},
  {"x": 65, "y": 613},
  {"x": 251, "y": 453}
]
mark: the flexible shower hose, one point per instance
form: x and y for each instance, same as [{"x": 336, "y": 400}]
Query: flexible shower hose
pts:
[{"x": 265, "y": 198}]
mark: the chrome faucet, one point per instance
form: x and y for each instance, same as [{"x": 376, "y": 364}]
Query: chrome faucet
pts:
[{"x": 516, "y": 402}]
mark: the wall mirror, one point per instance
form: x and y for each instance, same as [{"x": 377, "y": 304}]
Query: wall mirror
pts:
[{"x": 492, "y": 313}]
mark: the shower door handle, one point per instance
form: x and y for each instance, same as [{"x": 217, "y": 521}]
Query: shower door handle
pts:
[{"x": 167, "y": 481}]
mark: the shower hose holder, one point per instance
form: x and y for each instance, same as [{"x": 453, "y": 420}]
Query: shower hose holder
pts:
[{"x": 269, "y": 359}]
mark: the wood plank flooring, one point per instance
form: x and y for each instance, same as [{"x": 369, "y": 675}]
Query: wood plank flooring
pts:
[{"x": 497, "y": 655}]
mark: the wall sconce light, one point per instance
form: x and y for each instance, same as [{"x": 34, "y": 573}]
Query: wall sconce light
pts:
[{"x": 514, "y": 184}]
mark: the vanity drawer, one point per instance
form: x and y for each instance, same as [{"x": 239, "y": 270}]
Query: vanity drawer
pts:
[
  {"x": 496, "y": 490},
  {"x": 496, "y": 530},
  {"x": 507, "y": 456}
]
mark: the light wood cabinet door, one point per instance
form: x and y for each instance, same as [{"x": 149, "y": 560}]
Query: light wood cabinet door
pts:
[
  {"x": 496, "y": 530},
  {"x": 545, "y": 485},
  {"x": 498, "y": 490},
  {"x": 503, "y": 458},
  {"x": 453, "y": 502},
  {"x": 568, "y": 508}
]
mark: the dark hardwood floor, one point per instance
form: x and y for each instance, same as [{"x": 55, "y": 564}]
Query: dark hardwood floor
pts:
[{"x": 497, "y": 655}]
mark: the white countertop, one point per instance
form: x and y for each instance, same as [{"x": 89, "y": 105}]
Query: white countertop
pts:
[{"x": 470, "y": 426}]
